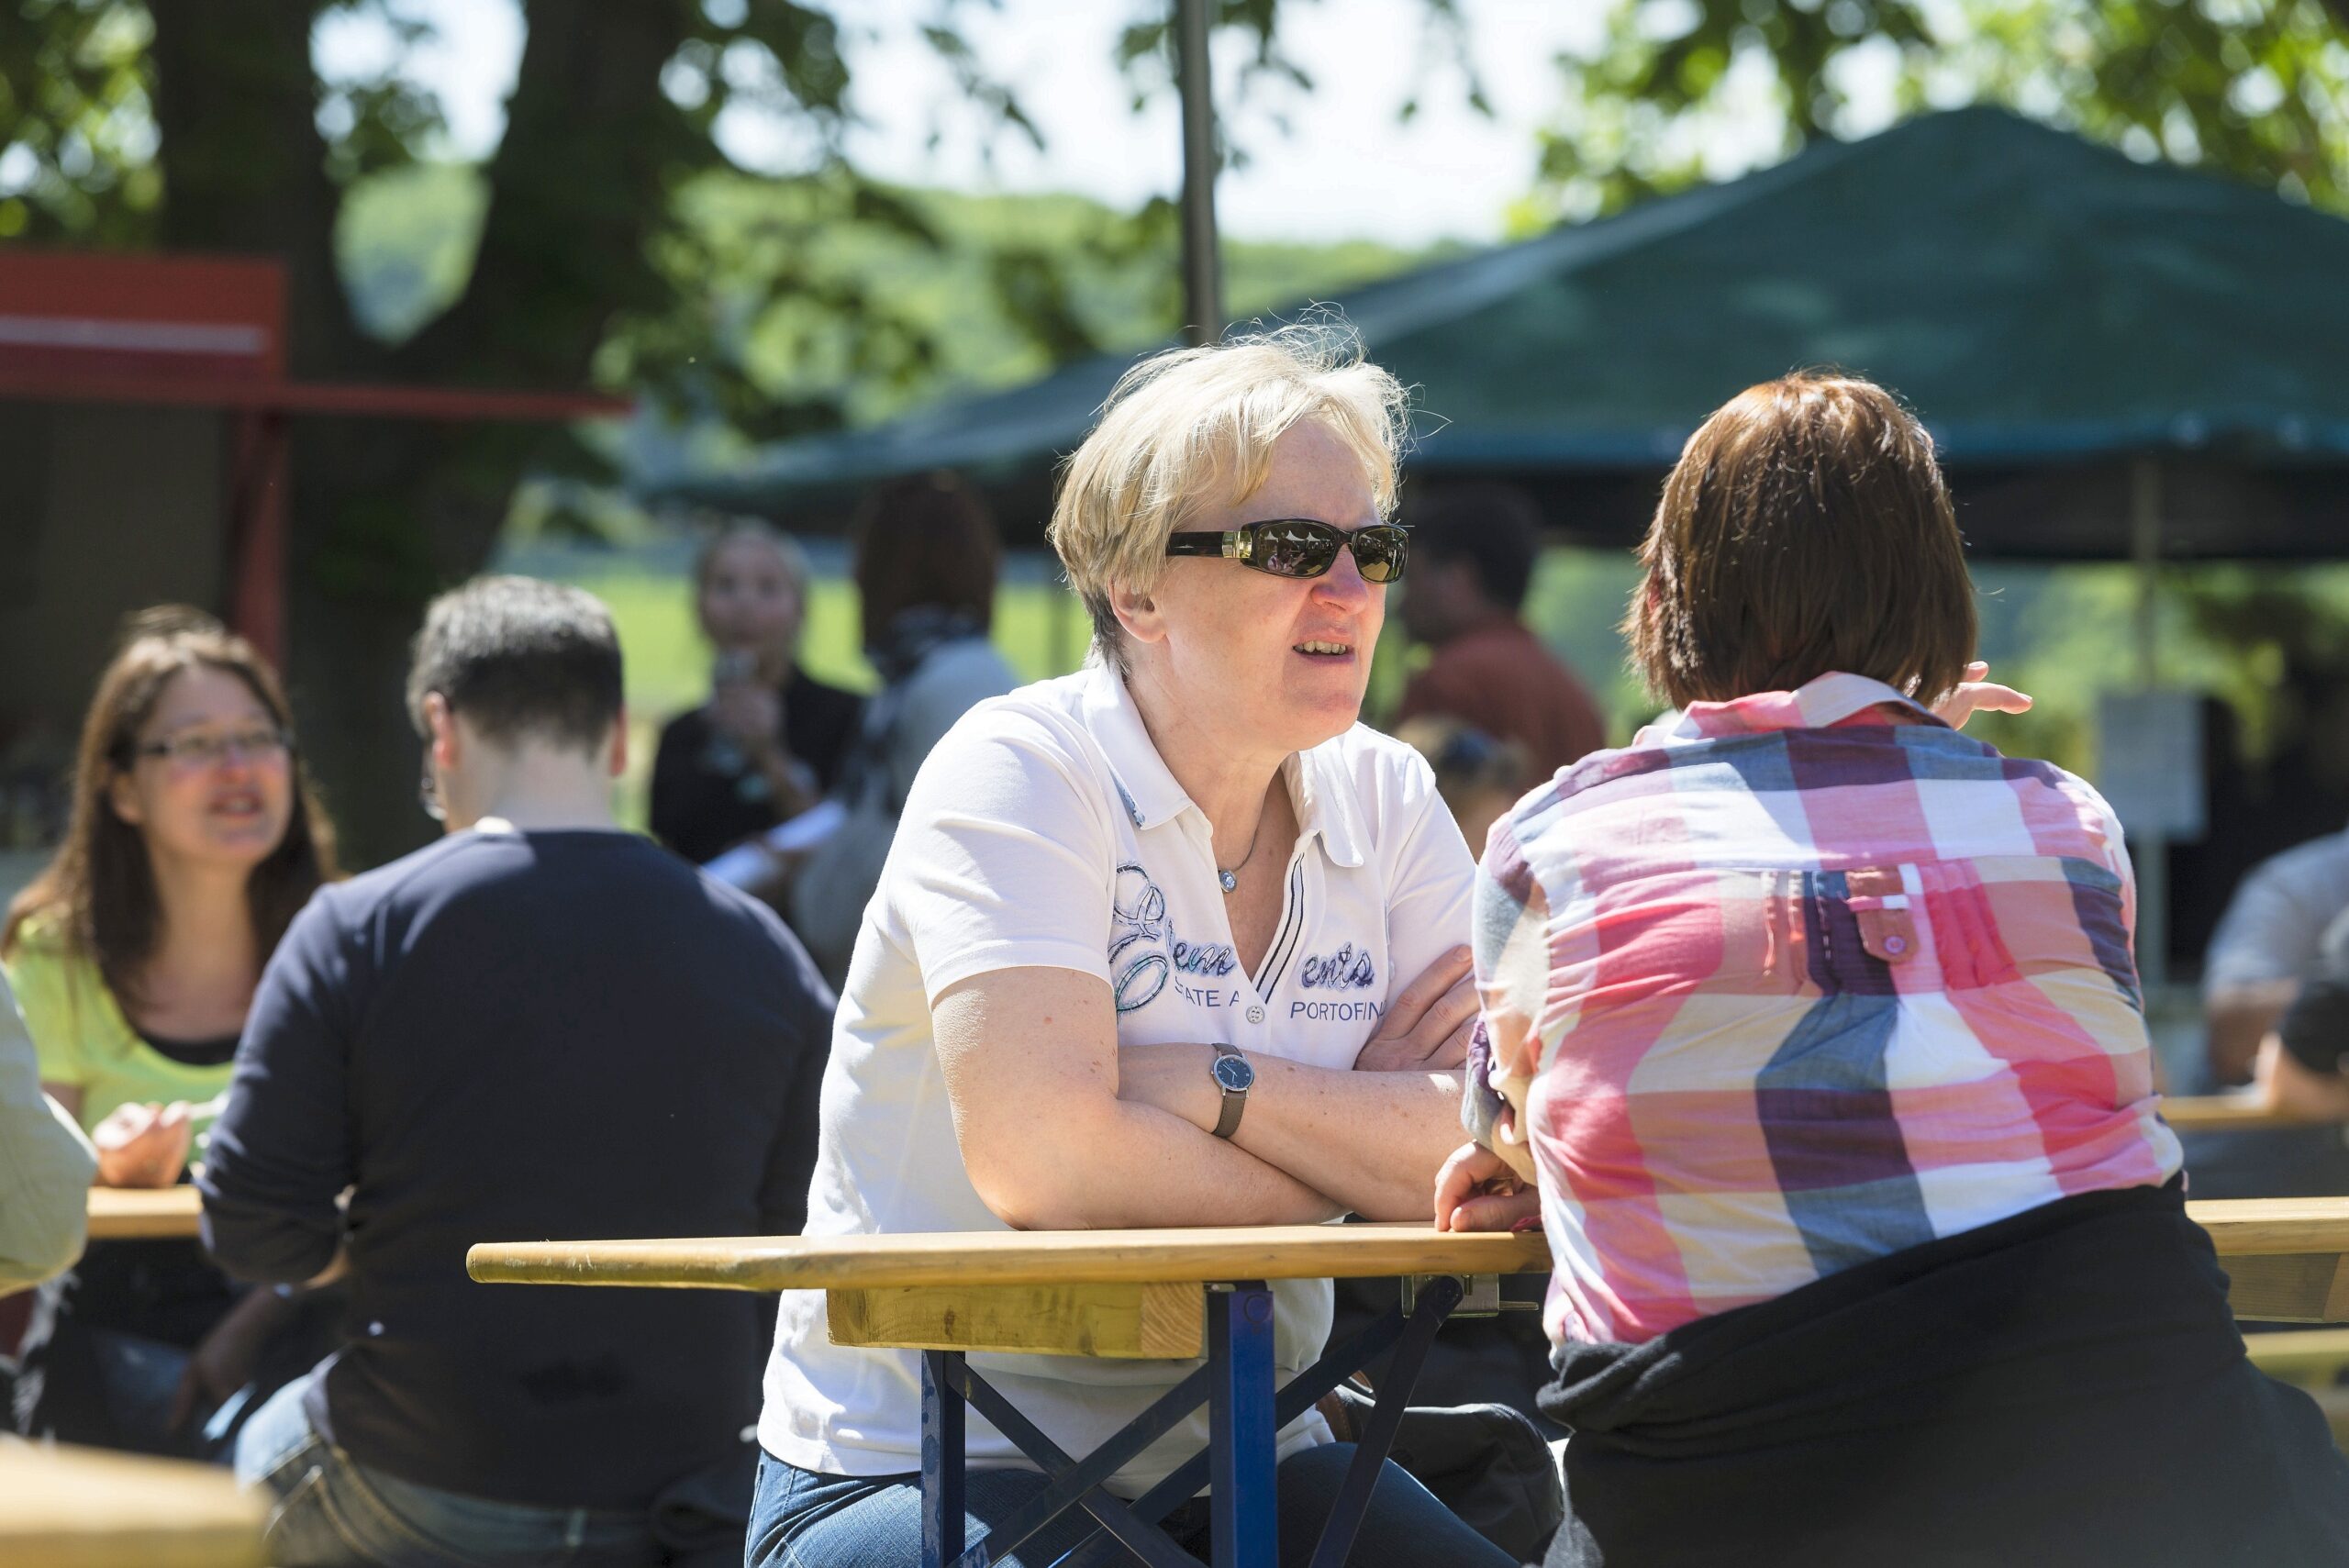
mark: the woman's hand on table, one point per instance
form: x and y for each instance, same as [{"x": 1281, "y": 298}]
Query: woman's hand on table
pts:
[
  {"x": 143, "y": 1145},
  {"x": 1975, "y": 693},
  {"x": 1477, "y": 1190},
  {"x": 1427, "y": 1028}
]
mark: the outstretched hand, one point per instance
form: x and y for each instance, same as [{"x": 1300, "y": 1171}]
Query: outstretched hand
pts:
[{"x": 1974, "y": 694}]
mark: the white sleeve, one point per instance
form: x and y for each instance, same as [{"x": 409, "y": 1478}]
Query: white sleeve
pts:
[
  {"x": 1429, "y": 900},
  {"x": 1003, "y": 857},
  {"x": 2273, "y": 927}
]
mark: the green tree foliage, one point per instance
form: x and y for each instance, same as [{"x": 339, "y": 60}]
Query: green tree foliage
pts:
[
  {"x": 2258, "y": 88},
  {"x": 126, "y": 124}
]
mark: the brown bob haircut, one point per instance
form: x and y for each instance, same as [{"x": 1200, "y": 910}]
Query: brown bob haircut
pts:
[
  {"x": 100, "y": 887},
  {"x": 1805, "y": 530},
  {"x": 925, "y": 539}
]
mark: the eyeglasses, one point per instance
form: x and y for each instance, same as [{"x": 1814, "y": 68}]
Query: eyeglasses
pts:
[
  {"x": 428, "y": 794},
  {"x": 191, "y": 752},
  {"x": 1302, "y": 547}
]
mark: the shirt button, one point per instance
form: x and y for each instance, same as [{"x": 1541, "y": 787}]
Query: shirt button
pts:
[{"x": 1255, "y": 1014}]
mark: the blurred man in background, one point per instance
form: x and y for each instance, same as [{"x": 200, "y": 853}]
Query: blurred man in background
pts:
[
  {"x": 539, "y": 1026},
  {"x": 1473, "y": 552}
]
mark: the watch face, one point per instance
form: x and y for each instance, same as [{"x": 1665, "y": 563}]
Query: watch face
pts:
[{"x": 1235, "y": 1074}]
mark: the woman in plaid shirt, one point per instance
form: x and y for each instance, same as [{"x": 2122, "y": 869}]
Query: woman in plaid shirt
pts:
[{"x": 1811, "y": 1027}]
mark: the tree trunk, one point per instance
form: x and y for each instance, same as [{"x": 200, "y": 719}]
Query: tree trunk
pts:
[{"x": 384, "y": 513}]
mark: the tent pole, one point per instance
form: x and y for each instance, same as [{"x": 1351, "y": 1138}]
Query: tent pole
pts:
[
  {"x": 1202, "y": 269},
  {"x": 2151, "y": 850},
  {"x": 2145, "y": 551}
]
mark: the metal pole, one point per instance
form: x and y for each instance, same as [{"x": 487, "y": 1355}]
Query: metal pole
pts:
[
  {"x": 1202, "y": 269},
  {"x": 2152, "y": 856},
  {"x": 2145, "y": 551}
]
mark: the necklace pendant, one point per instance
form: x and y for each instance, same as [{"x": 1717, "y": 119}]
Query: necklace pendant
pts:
[{"x": 1230, "y": 879}]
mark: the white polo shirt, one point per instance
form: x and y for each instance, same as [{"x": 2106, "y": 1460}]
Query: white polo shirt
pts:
[{"x": 1044, "y": 830}]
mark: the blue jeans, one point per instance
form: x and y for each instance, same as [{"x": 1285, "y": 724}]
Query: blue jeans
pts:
[
  {"x": 330, "y": 1510},
  {"x": 802, "y": 1519}
]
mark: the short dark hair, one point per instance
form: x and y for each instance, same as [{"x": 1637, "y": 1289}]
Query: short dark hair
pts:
[
  {"x": 925, "y": 539},
  {"x": 1806, "y": 529},
  {"x": 519, "y": 658},
  {"x": 1495, "y": 529}
]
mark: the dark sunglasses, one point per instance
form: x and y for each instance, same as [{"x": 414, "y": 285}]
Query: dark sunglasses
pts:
[{"x": 1300, "y": 546}]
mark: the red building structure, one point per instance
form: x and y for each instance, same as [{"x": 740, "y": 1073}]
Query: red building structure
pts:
[{"x": 145, "y": 417}]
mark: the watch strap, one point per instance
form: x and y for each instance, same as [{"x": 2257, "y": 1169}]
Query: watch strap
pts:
[{"x": 1235, "y": 1101}]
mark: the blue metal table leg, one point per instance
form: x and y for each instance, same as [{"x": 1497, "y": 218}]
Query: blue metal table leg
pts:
[
  {"x": 941, "y": 1458},
  {"x": 1242, "y": 1503},
  {"x": 1291, "y": 1402},
  {"x": 1437, "y": 1298}
]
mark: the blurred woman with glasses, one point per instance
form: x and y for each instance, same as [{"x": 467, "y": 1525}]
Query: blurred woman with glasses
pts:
[{"x": 194, "y": 837}]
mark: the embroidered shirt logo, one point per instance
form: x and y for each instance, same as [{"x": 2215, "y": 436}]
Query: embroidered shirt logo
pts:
[
  {"x": 1345, "y": 970},
  {"x": 1208, "y": 959},
  {"x": 1138, "y": 939}
]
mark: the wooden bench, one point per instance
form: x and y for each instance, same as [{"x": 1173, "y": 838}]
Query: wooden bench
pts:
[
  {"x": 143, "y": 1213},
  {"x": 68, "y": 1507}
]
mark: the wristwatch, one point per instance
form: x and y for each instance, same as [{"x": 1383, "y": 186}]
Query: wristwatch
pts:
[{"x": 1235, "y": 1075}]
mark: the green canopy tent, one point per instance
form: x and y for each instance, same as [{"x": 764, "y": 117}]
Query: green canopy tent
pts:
[{"x": 2117, "y": 359}]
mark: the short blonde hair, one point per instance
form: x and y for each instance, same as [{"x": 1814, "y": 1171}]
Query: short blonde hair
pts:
[{"x": 1186, "y": 428}]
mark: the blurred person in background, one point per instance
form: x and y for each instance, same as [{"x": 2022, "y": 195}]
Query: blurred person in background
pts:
[
  {"x": 541, "y": 1025},
  {"x": 771, "y": 741},
  {"x": 2271, "y": 983},
  {"x": 194, "y": 838},
  {"x": 1478, "y": 776},
  {"x": 925, "y": 560},
  {"x": 1474, "y": 548},
  {"x": 2268, "y": 944}
]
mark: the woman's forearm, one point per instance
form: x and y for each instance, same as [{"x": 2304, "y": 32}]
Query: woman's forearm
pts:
[
  {"x": 1123, "y": 1165},
  {"x": 1372, "y": 1142},
  {"x": 1033, "y": 1070}
]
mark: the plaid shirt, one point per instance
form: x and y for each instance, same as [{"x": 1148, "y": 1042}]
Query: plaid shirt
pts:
[{"x": 1796, "y": 982}]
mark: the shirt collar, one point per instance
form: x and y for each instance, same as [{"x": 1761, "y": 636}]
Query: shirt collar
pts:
[
  {"x": 1318, "y": 780},
  {"x": 1816, "y": 704},
  {"x": 1326, "y": 802},
  {"x": 1147, "y": 791}
]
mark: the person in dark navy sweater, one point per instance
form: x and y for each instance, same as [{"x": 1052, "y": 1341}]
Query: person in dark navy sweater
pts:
[{"x": 542, "y": 1027}]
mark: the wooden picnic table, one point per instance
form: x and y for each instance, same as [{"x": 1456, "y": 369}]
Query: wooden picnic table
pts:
[
  {"x": 143, "y": 1213},
  {"x": 1175, "y": 1294},
  {"x": 69, "y": 1507},
  {"x": 2238, "y": 1112},
  {"x": 1172, "y": 1293},
  {"x": 2286, "y": 1258}
]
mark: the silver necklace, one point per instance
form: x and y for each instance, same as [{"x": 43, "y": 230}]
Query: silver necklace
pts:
[{"x": 1229, "y": 876}]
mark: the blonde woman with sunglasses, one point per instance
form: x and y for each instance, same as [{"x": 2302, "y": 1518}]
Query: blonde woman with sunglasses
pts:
[{"x": 1173, "y": 941}]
